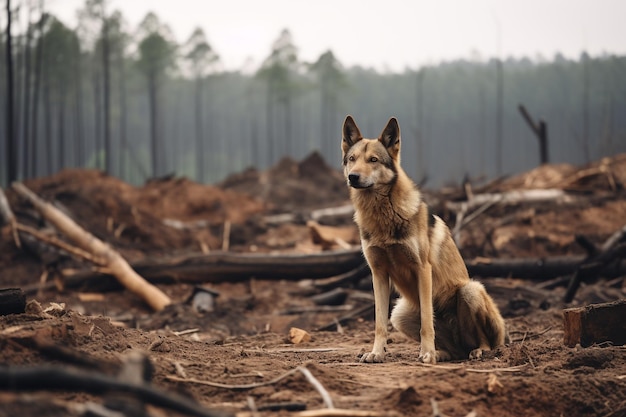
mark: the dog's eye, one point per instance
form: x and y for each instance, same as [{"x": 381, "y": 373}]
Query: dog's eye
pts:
[
  {"x": 373, "y": 159},
  {"x": 351, "y": 158}
]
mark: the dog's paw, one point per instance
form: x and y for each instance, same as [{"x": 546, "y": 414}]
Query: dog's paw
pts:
[
  {"x": 373, "y": 357},
  {"x": 443, "y": 356},
  {"x": 428, "y": 357},
  {"x": 476, "y": 354}
]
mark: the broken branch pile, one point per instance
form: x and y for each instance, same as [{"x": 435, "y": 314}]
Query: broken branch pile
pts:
[{"x": 518, "y": 227}]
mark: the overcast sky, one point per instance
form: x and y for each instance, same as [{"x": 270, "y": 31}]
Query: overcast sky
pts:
[{"x": 387, "y": 34}]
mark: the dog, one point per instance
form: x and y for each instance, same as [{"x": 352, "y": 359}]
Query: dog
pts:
[{"x": 404, "y": 244}]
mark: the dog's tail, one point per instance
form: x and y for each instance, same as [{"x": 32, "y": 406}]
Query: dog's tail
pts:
[
  {"x": 486, "y": 314},
  {"x": 495, "y": 329}
]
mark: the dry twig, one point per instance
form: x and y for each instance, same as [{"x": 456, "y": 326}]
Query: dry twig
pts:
[{"x": 303, "y": 370}]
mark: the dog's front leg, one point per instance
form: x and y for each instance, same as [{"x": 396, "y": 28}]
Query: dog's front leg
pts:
[
  {"x": 427, "y": 331},
  {"x": 380, "y": 281}
]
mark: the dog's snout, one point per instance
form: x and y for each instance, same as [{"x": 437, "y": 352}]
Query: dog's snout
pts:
[{"x": 353, "y": 178}]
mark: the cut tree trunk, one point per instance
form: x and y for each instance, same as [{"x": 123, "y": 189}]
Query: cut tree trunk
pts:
[
  {"x": 110, "y": 258},
  {"x": 330, "y": 269},
  {"x": 595, "y": 323},
  {"x": 232, "y": 267}
]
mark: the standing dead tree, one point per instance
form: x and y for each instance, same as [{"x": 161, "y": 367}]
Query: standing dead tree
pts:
[{"x": 541, "y": 131}]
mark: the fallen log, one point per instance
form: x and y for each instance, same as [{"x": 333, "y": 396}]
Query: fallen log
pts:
[
  {"x": 595, "y": 323},
  {"x": 110, "y": 259},
  {"x": 538, "y": 269},
  {"x": 64, "y": 378},
  {"x": 227, "y": 266},
  {"x": 329, "y": 269}
]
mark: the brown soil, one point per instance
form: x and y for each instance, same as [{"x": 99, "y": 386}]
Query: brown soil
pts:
[{"x": 245, "y": 340}]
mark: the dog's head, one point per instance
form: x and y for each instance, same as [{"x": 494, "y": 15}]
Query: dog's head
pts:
[{"x": 370, "y": 163}]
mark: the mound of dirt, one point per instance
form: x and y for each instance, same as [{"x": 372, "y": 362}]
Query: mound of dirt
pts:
[
  {"x": 595, "y": 205},
  {"x": 186, "y": 200},
  {"x": 608, "y": 174},
  {"x": 290, "y": 185},
  {"x": 159, "y": 215}
]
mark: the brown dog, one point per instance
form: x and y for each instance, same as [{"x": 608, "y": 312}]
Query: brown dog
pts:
[{"x": 405, "y": 244}]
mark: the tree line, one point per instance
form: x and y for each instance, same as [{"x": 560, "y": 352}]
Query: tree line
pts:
[{"x": 137, "y": 104}]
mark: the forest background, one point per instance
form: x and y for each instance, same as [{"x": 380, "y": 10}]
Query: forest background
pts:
[{"x": 137, "y": 103}]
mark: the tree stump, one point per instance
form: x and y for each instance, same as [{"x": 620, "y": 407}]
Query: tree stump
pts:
[
  {"x": 595, "y": 323},
  {"x": 12, "y": 301}
]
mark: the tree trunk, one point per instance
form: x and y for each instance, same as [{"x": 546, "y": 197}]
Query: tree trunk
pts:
[
  {"x": 105, "y": 254},
  {"x": 34, "y": 166},
  {"x": 199, "y": 131},
  {"x": 79, "y": 152},
  {"x": 98, "y": 116},
  {"x": 61, "y": 137},
  {"x": 154, "y": 145},
  {"x": 499, "y": 117},
  {"x": 287, "y": 148},
  {"x": 333, "y": 124},
  {"x": 595, "y": 324},
  {"x": 231, "y": 267},
  {"x": 269, "y": 152},
  {"x": 27, "y": 92},
  {"x": 585, "y": 109},
  {"x": 123, "y": 109},
  {"x": 48, "y": 136},
  {"x": 106, "y": 73},
  {"x": 11, "y": 148},
  {"x": 420, "y": 171},
  {"x": 323, "y": 139}
]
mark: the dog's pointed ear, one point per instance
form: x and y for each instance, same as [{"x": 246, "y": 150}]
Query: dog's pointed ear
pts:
[
  {"x": 350, "y": 134},
  {"x": 390, "y": 137}
]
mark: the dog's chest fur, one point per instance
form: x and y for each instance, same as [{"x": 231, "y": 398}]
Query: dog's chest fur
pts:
[
  {"x": 383, "y": 222},
  {"x": 389, "y": 232},
  {"x": 388, "y": 216}
]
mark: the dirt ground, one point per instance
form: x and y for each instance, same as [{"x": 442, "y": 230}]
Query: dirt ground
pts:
[{"x": 244, "y": 344}]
